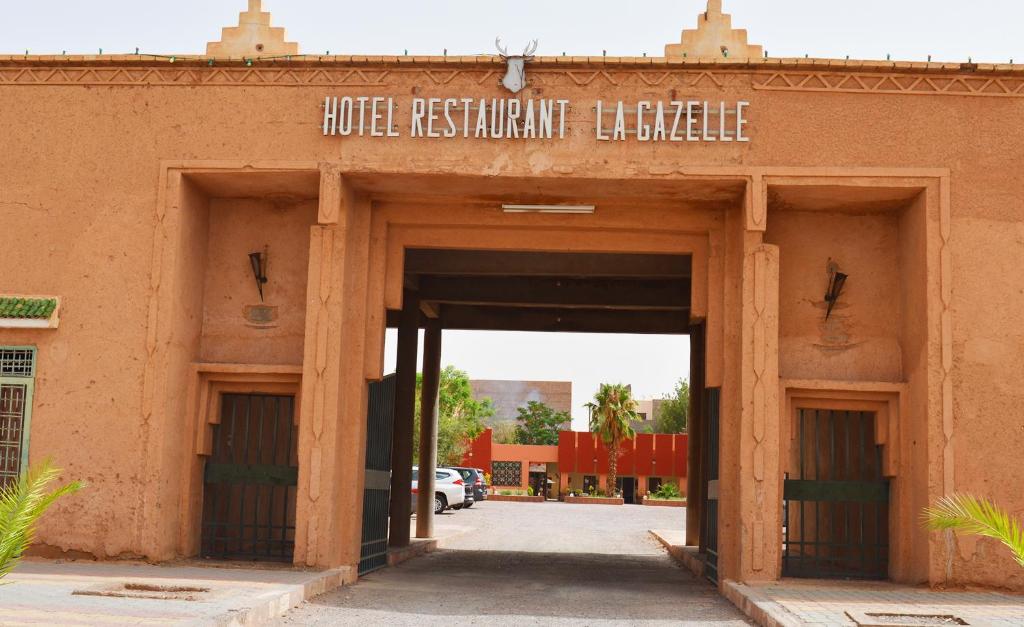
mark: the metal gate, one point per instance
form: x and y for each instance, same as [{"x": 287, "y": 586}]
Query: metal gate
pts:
[
  {"x": 709, "y": 530},
  {"x": 380, "y": 419},
  {"x": 250, "y": 480},
  {"x": 836, "y": 509}
]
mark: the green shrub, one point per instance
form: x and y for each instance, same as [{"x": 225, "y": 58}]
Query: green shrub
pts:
[
  {"x": 667, "y": 491},
  {"x": 506, "y": 493},
  {"x": 529, "y": 491}
]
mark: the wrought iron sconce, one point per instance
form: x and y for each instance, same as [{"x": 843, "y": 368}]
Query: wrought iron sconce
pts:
[
  {"x": 258, "y": 261},
  {"x": 836, "y": 281}
]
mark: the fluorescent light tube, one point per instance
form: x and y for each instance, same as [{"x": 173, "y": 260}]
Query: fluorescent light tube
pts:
[{"x": 548, "y": 208}]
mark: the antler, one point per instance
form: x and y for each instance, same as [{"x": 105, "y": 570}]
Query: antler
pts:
[
  {"x": 531, "y": 48},
  {"x": 497, "y": 44}
]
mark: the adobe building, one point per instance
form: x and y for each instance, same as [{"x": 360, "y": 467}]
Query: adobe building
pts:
[
  {"x": 647, "y": 411},
  {"x": 203, "y": 244}
]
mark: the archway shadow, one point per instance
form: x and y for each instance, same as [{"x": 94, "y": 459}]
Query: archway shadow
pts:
[{"x": 540, "y": 585}]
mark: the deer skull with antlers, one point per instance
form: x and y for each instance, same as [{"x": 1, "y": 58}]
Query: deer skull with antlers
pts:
[{"x": 515, "y": 78}]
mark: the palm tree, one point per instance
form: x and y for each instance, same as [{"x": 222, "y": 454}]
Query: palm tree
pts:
[
  {"x": 969, "y": 514},
  {"x": 22, "y": 503},
  {"x": 610, "y": 412}
]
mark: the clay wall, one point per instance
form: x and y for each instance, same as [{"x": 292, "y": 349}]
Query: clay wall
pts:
[
  {"x": 237, "y": 228},
  {"x": 861, "y": 339},
  {"x": 81, "y": 208}
]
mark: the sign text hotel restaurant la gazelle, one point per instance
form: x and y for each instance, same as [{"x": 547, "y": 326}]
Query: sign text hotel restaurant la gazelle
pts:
[{"x": 186, "y": 236}]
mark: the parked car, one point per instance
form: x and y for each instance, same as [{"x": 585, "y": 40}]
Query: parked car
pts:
[
  {"x": 475, "y": 484},
  {"x": 449, "y": 490},
  {"x": 455, "y": 477},
  {"x": 483, "y": 483}
]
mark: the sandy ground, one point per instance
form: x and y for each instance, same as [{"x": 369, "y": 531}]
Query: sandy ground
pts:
[{"x": 533, "y": 564}]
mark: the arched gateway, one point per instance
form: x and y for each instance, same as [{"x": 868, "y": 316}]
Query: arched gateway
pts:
[{"x": 225, "y": 238}]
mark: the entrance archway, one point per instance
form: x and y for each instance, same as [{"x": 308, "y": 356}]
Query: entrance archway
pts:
[{"x": 459, "y": 289}]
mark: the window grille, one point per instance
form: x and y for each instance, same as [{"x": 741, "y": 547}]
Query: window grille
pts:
[
  {"x": 17, "y": 362},
  {"x": 506, "y": 473},
  {"x": 17, "y": 369}
]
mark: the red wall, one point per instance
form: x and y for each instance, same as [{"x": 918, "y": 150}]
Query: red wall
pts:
[
  {"x": 602, "y": 456},
  {"x": 663, "y": 455},
  {"x": 682, "y": 442},
  {"x": 585, "y": 453},
  {"x": 481, "y": 449},
  {"x": 647, "y": 455},
  {"x": 644, "y": 454},
  {"x": 566, "y": 451}
]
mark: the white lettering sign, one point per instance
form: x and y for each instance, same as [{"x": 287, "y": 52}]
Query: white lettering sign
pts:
[{"x": 547, "y": 118}]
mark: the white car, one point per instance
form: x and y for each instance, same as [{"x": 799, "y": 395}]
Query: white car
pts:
[{"x": 449, "y": 489}]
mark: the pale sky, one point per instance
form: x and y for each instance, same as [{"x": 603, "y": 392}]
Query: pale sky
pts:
[
  {"x": 950, "y": 30},
  {"x": 650, "y": 363}
]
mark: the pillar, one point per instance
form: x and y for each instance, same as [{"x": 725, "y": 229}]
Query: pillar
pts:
[
  {"x": 760, "y": 467},
  {"x": 758, "y": 480},
  {"x": 405, "y": 410},
  {"x": 332, "y": 403},
  {"x": 428, "y": 428}
]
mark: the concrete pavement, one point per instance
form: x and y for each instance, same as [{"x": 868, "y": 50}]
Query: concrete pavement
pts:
[
  {"x": 113, "y": 593},
  {"x": 534, "y": 564}
]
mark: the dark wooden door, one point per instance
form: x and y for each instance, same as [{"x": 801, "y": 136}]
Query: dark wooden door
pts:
[
  {"x": 627, "y": 487},
  {"x": 836, "y": 509},
  {"x": 250, "y": 480}
]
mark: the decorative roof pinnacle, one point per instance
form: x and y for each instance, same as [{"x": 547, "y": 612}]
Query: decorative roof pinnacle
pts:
[
  {"x": 253, "y": 37},
  {"x": 714, "y": 37}
]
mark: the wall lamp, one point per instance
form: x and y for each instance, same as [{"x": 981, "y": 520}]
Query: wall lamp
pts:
[
  {"x": 548, "y": 208},
  {"x": 836, "y": 281},
  {"x": 258, "y": 261}
]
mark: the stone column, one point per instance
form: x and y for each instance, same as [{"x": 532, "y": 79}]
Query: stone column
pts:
[
  {"x": 428, "y": 428},
  {"x": 750, "y": 480},
  {"x": 405, "y": 410},
  {"x": 760, "y": 480},
  {"x": 332, "y": 409},
  {"x": 318, "y": 412}
]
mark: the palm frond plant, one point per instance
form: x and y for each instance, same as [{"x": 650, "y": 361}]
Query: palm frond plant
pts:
[
  {"x": 964, "y": 513},
  {"x": 611, "y": 411},
  {"x": 22, "y": 504}
]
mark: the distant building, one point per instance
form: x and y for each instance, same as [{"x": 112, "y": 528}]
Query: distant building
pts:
[
  {"x": 509, "y": 396},
  {"x": 580, "y": 461},
  {"x": 647, "y": 414}
]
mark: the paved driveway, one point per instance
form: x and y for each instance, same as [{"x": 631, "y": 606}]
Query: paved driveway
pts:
[{"x": 533, "y": 564}]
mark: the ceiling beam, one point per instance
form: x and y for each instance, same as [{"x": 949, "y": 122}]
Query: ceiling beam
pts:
[
  {"x": 467, "y": 317},
  {"x": 474, "y": 318},
  {"x": 558, "y": 292},
  {"x": 515, "y": 263}
]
